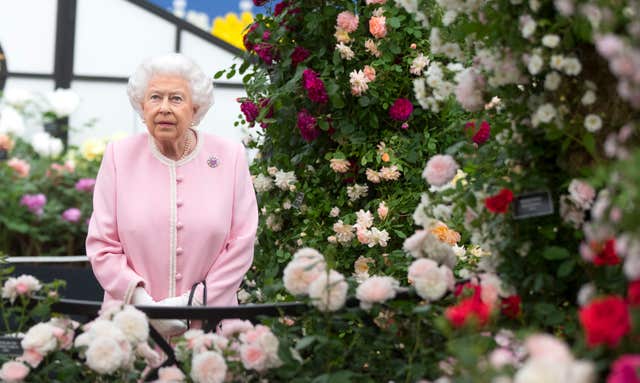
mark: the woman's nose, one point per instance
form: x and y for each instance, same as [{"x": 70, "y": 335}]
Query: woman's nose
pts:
[{"x": 164, "y": 105}]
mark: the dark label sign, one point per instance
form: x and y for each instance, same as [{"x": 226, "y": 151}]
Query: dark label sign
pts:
[
  {"x": 3, "y": 69},
  {"x": 534, "y": 204},
  {"x": 10, "y": 346}
]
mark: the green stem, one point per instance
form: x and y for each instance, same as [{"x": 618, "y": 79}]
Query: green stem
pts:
[
  {"x": 412, "y": 355},
  {"x": 23, "y": 311}
]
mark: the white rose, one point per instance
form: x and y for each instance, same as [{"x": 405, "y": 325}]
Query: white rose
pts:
[
  {"x": 572, "y": 66},
  {"x": 46, "y": 145},
  {"x": 133, "y": 323},
  {"x": 17, "y": 97},
  {"x": 328, "y": 291},
  {"x": 550, "y": 41},
  {"x": 588, "y": 98},
  {"x": 63, "y": 102},
  {"x": 552, "y": 81},
  {"x": 535, "y": 64},
  {"x": 592, "y": 122},
  {"x": 11, "y": 121},
  {"x": 104, "y": 355},
  {"x": 40, "y": 338}
]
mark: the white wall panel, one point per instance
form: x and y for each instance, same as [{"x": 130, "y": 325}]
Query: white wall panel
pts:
[
  {"x": 210, "y": 57},
  {"x": 223, "y": 114},
  {"x": 114, "y": 36},
  {"x": 108, "y": 104},
  {"x": 28, "y": 33}
]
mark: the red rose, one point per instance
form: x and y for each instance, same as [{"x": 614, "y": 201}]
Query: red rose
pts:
[
  {"x": 633, "y": 293},
  {"x": 500, "y": 202},
  {"x": 401, "y": 109},
  {"x": 245, "y": 39},
  {"x": 511, "y": 306},
  {"x": 480, "y": 136},
  {"x": 259, "y": 3},
  {"x": 605, "y": 321},
  {"x": 607, "y": 254},
  {"x": 468, "y": 309}
]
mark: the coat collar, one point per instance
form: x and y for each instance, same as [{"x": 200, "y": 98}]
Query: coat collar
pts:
[{"x": 168, "y": 161}]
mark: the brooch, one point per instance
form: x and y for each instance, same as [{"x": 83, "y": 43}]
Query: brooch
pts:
[{"x": 213, "y": 162}]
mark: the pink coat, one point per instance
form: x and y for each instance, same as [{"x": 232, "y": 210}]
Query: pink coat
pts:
[{"x": 168, "y": 224}]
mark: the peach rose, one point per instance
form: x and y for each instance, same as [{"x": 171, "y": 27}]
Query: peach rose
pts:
[
  {"x": 20, "y": 167},
  {"x": 369, "y": 72},
  {"x": 378, "y": 26}
]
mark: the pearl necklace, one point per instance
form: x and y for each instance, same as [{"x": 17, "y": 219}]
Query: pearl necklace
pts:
[{"x": 187, "y": 145}]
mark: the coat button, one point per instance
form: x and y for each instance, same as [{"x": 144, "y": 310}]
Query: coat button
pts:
[
  {"x": 179, "y": 203},
  {"x": 178, "y": 277},
  {"x": 179, "y": 179},
  {"x": 179, "y": 225},
  {"x": 179, "y": 251}
]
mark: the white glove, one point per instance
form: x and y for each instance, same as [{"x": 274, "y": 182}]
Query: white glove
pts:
[
  {"x": 141, "y": 297},
  {"x": 166, "y": 327}
]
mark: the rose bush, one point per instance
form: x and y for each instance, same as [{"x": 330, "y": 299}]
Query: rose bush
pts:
[{"x": 46, "y": 189}]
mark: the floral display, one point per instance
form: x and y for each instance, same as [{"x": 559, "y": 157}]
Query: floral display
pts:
[{"x": 46, "y": 188}]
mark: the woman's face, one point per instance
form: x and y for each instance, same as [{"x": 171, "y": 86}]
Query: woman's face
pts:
[{"x": 167, "y": 107}]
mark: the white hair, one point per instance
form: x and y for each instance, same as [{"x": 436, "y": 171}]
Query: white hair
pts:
[{"x": 172, "y": 64}]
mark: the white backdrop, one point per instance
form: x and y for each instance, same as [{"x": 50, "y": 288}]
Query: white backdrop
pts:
[{"x": 111, "y": 38}]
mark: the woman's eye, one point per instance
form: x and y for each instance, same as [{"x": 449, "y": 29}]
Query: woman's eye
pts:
[
  {"x": 154, "y": 97},
  {"x": 176, "y": 99}
]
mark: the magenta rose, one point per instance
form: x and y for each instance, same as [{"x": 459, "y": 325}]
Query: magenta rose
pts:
[
  {"x": 314, "y": 86},
  {"x": 85, "y": 184},
  {"x": 246, "y": 38},
  {"x": 625, "y": 369},
  {"x": 307, "y": 125},
  {"x": 401, "y": 109},
  {"x": 34, "y": 202},
  {"x": 259, "y": 3},
  {"x": 72, "y": 215},
  {"x": 263, "y": 104},
  {"x": 250, "y": 110},
  {"x": 299, "y": 55}
]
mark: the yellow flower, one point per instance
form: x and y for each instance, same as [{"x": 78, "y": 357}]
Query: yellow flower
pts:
[
  {"x": 231, "y": 28},
  {"x": 460, "y": 176},
  {"x": 92, "y": 149}
]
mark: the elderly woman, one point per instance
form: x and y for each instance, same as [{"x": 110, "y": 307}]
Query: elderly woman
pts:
[{"x": 174, "y": 207}]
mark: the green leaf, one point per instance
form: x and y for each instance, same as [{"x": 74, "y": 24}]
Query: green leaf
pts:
[
  {"x": 305, "y": 342},
  {"x": 566, "y": 268},
  {"x": 218, "y": 74},
  {"x": 363, "y": 101},
  {"x": 554, "y": 253}
]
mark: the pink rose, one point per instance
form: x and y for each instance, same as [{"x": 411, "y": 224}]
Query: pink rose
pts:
[
  {"x": 20, "y": 167},
  {"x": 170, "y": 374},
  {"x": 548, "y": 347},
  {"x": 13, "y": 371},
  {"x": 208, "y": 366},
  {"x": 440, "y": 170},
  {"x": 383, "y": 210},
  {"x": 32, "y": 357},
  {"x": 376, "y": 289},
  {"x": 609, "y": 45},
  {"x": 369, "y": 2},
  {"x": 378, "y": 27},
  {"x": 347, "y": 21},
  {"x": 253, "y": 357},
  {"x": 581, "y": 193}
]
